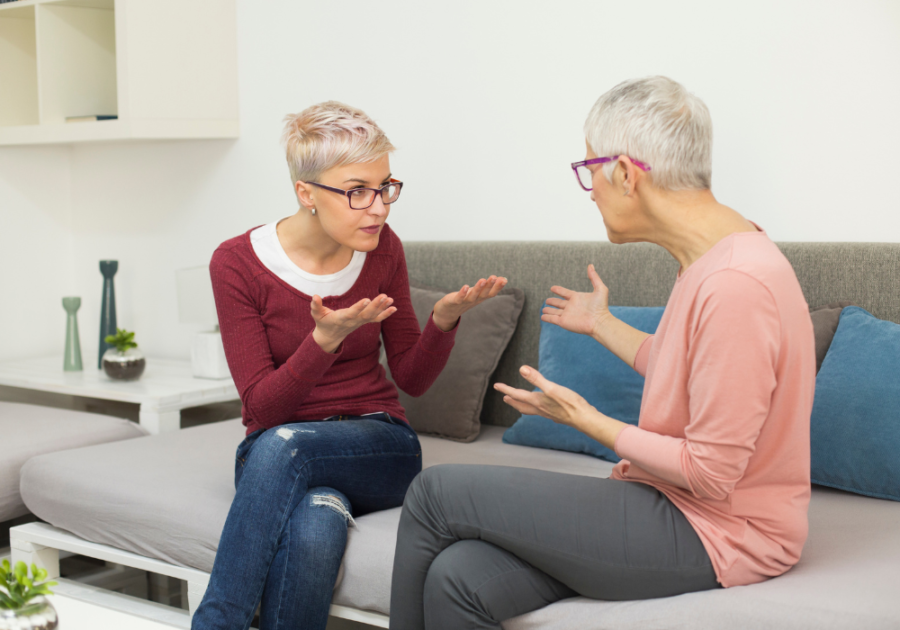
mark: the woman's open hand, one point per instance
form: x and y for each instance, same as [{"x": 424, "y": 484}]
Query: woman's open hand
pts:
[
  {"x": 561, "y": 405},
  {"x": 555, "y": 402},
  {"x": 579, "y": 312},
  {"x": 451, "y": 307},
  {"x": 332, "y": 327}
]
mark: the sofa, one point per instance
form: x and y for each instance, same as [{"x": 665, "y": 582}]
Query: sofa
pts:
[
  {"x": 31, "y": 430},
  {"x": 161, "y": 501}
]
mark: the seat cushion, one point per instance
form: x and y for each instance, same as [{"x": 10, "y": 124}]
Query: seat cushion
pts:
[
  {"x": 29, "y": 430},
  {"x": 171, "y": 493}
]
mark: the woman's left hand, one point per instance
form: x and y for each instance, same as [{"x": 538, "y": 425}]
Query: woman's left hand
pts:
[
  {"x": 451, "y": 307},
  {"x": 555, "y": 402},
  {"x": 561, "y": 405}
]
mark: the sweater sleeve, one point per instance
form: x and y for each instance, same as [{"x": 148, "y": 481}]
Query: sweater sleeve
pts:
[
  {"x": 642, "y": 358},
  {"x": 415, "y": 358},
  {"x": 732, "y": 358},
  {"x": 269, "y": 396}
]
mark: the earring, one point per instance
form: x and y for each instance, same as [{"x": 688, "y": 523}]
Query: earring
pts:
[
  {"x": 626, "y": 192},
  {"x": 313, "y": 210}
]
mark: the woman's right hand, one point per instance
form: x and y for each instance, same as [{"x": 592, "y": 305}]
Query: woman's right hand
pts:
[
  {"x": 582, "y": 313},
  {"x": 332, "y": 327}
]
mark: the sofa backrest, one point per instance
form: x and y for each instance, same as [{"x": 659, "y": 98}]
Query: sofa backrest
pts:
[{"x": 868, "y": 274}]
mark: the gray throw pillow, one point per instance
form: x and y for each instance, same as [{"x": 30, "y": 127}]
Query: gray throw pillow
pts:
[
  {"x": 451, "y": 408},
  {"x": 825, "y": 322}
]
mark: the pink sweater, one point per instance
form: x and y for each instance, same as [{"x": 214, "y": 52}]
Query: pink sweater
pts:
[{"x": 724, "y": 425}]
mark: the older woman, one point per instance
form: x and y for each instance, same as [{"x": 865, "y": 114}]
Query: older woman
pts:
[
  {"x": 713, "y": 486},
  {"x": 303, "y": 304}
]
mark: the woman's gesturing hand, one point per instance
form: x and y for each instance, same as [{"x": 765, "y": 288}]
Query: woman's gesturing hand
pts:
[
  {"x": 451, "y": 307},
  {"x": 555, "y": 402},
  {"x": 561, "y": 405},
  {"x": 579, "y": 312},
  {"x": 332, "y": 327}
]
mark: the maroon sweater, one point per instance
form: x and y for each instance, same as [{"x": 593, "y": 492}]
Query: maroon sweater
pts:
[{"x": 284, "y": 376}]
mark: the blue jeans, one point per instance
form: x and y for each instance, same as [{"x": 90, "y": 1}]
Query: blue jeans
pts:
[{"x": 297, "y": 486}]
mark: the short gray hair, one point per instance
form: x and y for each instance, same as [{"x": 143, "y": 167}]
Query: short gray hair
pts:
[
  {"x": 330, "y": 134},
  {"x": 657, "y": 121}
]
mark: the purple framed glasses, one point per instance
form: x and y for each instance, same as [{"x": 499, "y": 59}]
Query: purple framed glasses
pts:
[
  {"x": 362, "y": 198},
  {"x": 584, "y": 175}
]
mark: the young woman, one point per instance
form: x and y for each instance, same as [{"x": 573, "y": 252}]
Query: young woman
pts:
[
  {"x": 303, "y": 304},
  {"x": 713, "y": 486}
]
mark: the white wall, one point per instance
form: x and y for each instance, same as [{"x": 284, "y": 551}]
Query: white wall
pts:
[{"x": 485, "y": 101}]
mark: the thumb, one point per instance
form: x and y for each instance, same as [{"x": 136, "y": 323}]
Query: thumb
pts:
[
  {"x": 534, "y": 377},
  {"x": 316, "y": 307},
  {"x": 594, "y": 277}
]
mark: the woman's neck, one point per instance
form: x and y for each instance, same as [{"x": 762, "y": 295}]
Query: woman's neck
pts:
[
  {"x": 689, "y": 223},
  {"x": 310, "y": 247}
]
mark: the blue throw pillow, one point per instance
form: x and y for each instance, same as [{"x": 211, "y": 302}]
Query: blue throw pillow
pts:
[
  {"x": 586, "y": 367},
  {"x": 855, "y": 424}
]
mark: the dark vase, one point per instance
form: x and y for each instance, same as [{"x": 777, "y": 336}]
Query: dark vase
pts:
[{"x": 108, "y": 309}]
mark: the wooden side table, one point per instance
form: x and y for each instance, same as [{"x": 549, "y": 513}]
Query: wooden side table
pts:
[{"x": 166, "y": 387}]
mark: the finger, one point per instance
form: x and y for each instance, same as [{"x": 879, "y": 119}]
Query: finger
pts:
[
  {"x": 536, "y": 378},
  {"x": 477, "y": 290},
  {"x": 385, "y": 314},
  {"x": 376, "y": 307},
  {"x": 556, "y": 302},
  {"x": 595, "y": 277},
  {"x": 316, "y": 308},
  {"x": 562, "y": 291},
  {"x": 359, "y": 307},
  {"x": 521, "y": 407},
  {"x": 551, "y": 319},
  {"x": 499, "y": 283}
]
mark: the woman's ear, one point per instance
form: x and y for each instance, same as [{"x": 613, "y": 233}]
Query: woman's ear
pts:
[
  {"x": 628, "y": 173},
  {"x": 304, "y": 194}
]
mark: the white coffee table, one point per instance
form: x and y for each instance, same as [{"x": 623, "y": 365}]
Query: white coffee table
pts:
[{"x": 166, "y": 387}]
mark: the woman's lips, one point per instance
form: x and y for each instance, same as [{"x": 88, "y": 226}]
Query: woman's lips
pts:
[{"x": 373, "y": 229}]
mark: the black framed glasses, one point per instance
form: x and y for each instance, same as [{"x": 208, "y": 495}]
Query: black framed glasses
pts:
[{"x": 362, "y": 198}]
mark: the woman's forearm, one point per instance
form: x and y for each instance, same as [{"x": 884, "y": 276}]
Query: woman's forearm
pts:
[
  {"x": 622, "y": 340},
  {"x": 600, "y": 427}
]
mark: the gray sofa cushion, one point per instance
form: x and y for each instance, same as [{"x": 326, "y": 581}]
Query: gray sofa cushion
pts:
[
  {"x": 183, "y": 483},
  {"x": 172, "y": 492},
  {"x": 451, "y": 407},
  {"x": 29, "y": 430}
]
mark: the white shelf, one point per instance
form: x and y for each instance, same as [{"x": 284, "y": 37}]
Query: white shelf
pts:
[{"x": 166, "y": 68}]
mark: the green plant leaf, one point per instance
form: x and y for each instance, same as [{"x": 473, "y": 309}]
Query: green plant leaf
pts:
[
  {"x": 39, "y": 574},
  {"x": 6, "y": 601},
  {"x": 21, "y": 570}
]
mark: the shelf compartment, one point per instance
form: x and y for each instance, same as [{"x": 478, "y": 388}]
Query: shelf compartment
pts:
[
  {"x": 76, "y": 47},
  {"x": 18, "y": 67}
]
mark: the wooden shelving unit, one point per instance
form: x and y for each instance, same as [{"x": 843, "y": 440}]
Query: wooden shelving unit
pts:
[{"x": 166, "y": 68}]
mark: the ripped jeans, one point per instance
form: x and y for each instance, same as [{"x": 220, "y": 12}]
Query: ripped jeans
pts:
[{"x": 285, "y": 535}]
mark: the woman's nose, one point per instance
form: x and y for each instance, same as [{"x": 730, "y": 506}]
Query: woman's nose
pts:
[{"x": 378, "y": 208}]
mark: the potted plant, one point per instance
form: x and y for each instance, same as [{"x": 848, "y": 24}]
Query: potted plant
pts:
[
  {"x": 23, "y": 605},
  {"x": 123, "y": 362}
]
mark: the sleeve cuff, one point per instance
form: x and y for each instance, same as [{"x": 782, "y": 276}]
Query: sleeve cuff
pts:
[
  {"x": 309, "y": 362},
  {"x": 436, "y": 340},
  {"x": 622, "y": 442},
  {"x": 642, "y": 358}
]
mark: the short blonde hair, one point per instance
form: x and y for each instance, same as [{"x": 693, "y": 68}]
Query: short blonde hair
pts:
[
  {"x": 330, "y": 134},
  {"x": 657, "y": 121}
]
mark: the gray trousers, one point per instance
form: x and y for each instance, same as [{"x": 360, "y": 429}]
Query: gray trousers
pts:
[{"x": 481, "y": 544}]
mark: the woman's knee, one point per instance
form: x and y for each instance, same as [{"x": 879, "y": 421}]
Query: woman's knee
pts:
[{"x": 320, "y": 522}]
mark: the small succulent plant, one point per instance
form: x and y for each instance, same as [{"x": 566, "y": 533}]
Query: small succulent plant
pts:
[
  {"x": 122, "y": 340},
  {"x": 21, "y": 589}
]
